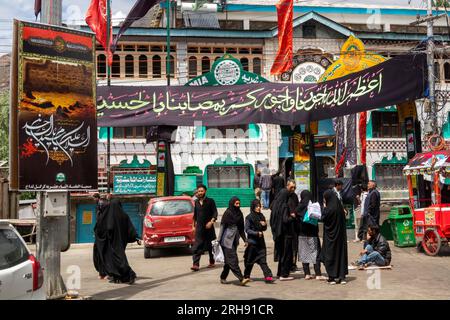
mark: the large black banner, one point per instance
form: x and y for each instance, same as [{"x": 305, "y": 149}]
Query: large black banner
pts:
[
  {"x": 400, "y": 79},
  {"x": 54, "y": 129}
]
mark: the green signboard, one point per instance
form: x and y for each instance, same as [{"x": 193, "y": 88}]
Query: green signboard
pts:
[
  {"x": 184, "y": 183},
  {"x": 134, "y": 183},
  {"x": 226, "y": 71}
]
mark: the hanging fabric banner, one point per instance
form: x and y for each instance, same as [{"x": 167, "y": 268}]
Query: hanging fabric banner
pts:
[
  {"x": 284, "y": 58},
  {"x": 276, "y": 103}
]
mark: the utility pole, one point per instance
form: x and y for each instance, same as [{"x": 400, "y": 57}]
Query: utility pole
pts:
[
  {"x": 168, "y": 7},
  {"x": 108, "y": 75},
  {"x": 51, "y": 229},
  {"x": 430, "y": 61}
]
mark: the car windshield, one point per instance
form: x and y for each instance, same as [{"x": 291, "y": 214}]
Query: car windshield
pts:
[
  {"x": 171, "y": 208},
  {"x": 12, "y": 249}
]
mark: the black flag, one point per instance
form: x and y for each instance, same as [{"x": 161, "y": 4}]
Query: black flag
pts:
[{"x": 140, "y": 9}]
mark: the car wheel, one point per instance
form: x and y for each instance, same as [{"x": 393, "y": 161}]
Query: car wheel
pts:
[{"x": 148, "y": 253}]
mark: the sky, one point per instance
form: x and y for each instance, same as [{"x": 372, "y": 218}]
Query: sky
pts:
[{"x": 74, "y": 11}]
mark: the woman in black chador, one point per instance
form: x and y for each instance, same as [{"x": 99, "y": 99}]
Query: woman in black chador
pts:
[
  {"x": 232, "y": 228},
  {"x": 282, "y": 222},
  {"x": 334, "y": 250},
  {"x": 256, "y": 252},
  {"x": 114, "y": 230}
]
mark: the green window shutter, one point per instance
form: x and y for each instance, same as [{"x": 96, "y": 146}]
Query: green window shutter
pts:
[
  {"x": 200, "y": 132},
  {"x": 254, "y": 131},
  {"x": 369, "y": 133},
  {"x": 103, "y": 133},
  {"x": 446, "y": 128}
]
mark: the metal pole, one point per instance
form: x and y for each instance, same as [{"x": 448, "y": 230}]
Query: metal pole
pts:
[
  {"x": 168, "y": 42},
  {"x": 50, "y": 229},
  {"x": 108, "y": 69},
  {"x": 430, "y": 62}
]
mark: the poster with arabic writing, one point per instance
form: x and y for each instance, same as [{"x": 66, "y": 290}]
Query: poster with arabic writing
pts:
[{"x": 57, "y": 145}]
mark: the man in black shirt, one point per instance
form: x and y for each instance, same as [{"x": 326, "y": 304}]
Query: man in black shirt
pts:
[{"x": 205, "y": 214}]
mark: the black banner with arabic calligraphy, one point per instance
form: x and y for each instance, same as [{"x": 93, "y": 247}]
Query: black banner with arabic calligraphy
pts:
[
  {"x": 399, "y": 79},
  {"x": 57, "y": 144}
]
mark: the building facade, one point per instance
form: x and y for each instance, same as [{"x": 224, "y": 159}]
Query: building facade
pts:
[{"x": 248, "y": 31}]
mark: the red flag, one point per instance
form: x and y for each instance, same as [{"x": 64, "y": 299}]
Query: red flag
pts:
[
  {"x": 362, "y": 135},
  {"x": 341, "y": 163},
  {"x": 284, "y": 57},
  {"x": 97, "y": 21}
]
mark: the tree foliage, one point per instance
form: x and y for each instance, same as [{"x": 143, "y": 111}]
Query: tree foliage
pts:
[{"x": 4, "y": 125}]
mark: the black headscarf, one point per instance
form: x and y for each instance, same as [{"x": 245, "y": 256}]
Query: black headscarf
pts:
[
  {"x": 305, "y": 229},
  {"x": 233, "y": 215},
  {"x": 334, "y": 251},
  {"x": 256, "y": 217},
  {"x": 113, "y": 232},
  {"x": 279, "y": 209},
  {"x": 302, "y": 207}
]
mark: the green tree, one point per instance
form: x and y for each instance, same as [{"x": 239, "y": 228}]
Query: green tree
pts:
[
  {"x": 4, "y": 125},
  {"x": 441, "y": 3}
]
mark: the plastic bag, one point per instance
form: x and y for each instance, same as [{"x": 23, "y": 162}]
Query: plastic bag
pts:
[
  {"x": 314, "y": 210},
  {"x": 308, "y": 219},
  {"x": 217, "y": 252}
]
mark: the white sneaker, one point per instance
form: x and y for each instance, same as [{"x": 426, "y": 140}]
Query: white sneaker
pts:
[{"x": 286, "y": 278}]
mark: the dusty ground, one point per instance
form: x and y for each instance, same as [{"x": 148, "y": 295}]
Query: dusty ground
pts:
[{"x": 414, "y": 276}]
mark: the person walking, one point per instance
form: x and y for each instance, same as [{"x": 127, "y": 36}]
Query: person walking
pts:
[
  {"x": 257, "y": 184},
  {"x": 232, "y": 228},
  {"x": 308, "y": 240},
  {"x": 256, "y": 252},
  {"x": 205, "y": 215},
  {"x": 334, "y": 253},
  {"x": 282, "y": 223},
  {"x": 278, "y": 184},
  {"x": 114, "y": 231},
  {"x": 292, "y": 204},
  {"x": 266, "y": 186},
  {"x": 101, "y": 208},
  {"x": 363, "y": 221},
  {"x": 373, "y": 203}
]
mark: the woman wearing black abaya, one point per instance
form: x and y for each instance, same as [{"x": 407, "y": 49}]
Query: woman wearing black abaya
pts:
[
  {"x": 334, "y": 250},
  {"x": 308, "y": 239},
  {"x": 232, "y": 228},
  {"x": 282, "y": 222},
  {"x": 256, "y": 252},
  {"x": 114, "y": 231}
]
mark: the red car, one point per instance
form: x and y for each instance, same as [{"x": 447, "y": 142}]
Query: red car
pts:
[{"x": 168, "y": 223}]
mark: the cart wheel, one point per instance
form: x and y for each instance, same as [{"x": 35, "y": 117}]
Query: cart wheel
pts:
[{"x": 431, "y": 242}]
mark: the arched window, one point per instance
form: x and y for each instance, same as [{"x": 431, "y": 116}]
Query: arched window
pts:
[
  {"x": 143, "y": 66},
  {"x": 257, "y": 66},
  {"x": 156, "y": 70},
  {"x": 101, "y": 65},
  {"x": 447, "y": 71},
  {"x": 244, "y": 62},
  {"x": 129, "y": 66},
  {"x": 206, "y": 65},
  {"x": 115, "y": 68},
  {"x": 192, "y": 67},
  {"x": 437, "y": 71},
  {"x": 172, "y": 66}
]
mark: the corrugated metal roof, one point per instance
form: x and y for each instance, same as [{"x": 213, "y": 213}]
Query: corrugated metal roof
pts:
[{"x": 417, "y": 4}]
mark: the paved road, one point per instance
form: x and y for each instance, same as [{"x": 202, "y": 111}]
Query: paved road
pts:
[{"x": 414, "y": 276}]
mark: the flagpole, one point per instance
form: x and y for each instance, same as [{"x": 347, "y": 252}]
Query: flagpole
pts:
[{"x": 108, "y": 72}]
